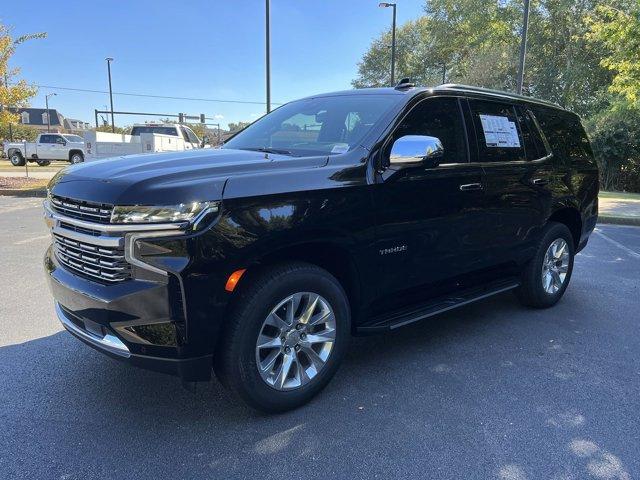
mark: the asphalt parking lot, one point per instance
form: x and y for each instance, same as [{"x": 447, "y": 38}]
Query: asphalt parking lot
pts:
[{"x": 491, "y": 390}]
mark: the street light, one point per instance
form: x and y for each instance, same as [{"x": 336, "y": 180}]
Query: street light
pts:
[
  {"x": 109, "y": 60},
  {"x": 393, "y": 40},
  {"x": 46, "y": 102},
  {"x": 523, "y": 46},
  {"x": 268, "y": 54}
]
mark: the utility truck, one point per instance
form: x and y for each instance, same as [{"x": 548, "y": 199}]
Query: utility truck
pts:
[
  {"x": 47, "y": 147},
  {"x": 144, "y": 138}
]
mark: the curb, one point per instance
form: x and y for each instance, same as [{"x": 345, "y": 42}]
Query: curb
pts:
[
  {"x": 14, "y": 192},
  {"x": 611, "y": 220}
]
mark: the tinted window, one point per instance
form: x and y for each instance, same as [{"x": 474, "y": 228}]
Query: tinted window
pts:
[
  {"x": 440, "y": 118},
  {"x": 566, "y": 136},
  {"x": 47, "y": 139},
  {"x": 152, "y": 129},
  {"x": 322, "y": 125},
  {"x": 58, "y": 139},
  {"x": 534, "y": 146},
  {"x": 189, "y": 136},
  {"x": 74, "y": 138},
  {"x": 497, "y": 131}
]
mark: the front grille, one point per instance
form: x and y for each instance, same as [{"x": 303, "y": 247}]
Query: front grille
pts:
[
  {"x": 92, "y": 212},
  {"x": 106, "y": 264}
]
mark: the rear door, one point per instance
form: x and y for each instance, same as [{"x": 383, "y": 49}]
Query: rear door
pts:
[
  {"x": 428, "y": 224},
  {"x": 517, "y": 173}
]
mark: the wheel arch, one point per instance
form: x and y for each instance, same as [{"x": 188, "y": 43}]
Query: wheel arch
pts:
[
  {"x": 75, "y": 150},
  {"x": 569, "y": 216}
]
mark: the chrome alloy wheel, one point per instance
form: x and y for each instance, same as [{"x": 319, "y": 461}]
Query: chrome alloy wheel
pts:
[
  {"x": 555, "y": 266},
  {"x": 295, "y": 341}
]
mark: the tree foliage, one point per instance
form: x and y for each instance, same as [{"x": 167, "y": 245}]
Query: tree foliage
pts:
[{"x": 12, "y": 93}]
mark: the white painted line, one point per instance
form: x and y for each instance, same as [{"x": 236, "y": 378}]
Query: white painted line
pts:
[
  {"x": 33, "y": 239},
  {"x": 627, "y": 250}
]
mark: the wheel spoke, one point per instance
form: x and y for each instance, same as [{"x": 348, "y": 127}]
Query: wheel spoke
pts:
[
  {"x": 316, "y": 362},
  {"x": 269, "y": 342},
  {"x": 283, "y": 371},
  {"x": 275, "y": 321},
  {"x": 267, "y": 364},
  {"x": 328, "y": 335},
  {"x": 312, "y": 302}
]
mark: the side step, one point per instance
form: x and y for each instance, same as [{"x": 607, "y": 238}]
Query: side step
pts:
[{"x": 438, "y": 305}]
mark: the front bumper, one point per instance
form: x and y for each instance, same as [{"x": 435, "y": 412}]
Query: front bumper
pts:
[{"x": 106, "y": 317}]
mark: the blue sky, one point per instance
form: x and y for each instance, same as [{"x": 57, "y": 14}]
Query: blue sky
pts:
[{"x": 203, "y": 49}]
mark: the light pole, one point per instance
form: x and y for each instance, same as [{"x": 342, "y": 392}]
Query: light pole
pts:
[
  {"x": 523, "y": 46},
  {"x": 393, "y": 40},
  {"x": 109, "y": 60},
  {"x": 46, "y": 102},
  {"x": 268, "y": 54}
]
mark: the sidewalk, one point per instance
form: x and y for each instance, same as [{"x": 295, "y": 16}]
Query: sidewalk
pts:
[{"x": 619, "y": 208}]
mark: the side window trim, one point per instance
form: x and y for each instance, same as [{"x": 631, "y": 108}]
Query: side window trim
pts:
[
  {"x": 545, "y": 141},
  {"x": 389, "y": 136}
]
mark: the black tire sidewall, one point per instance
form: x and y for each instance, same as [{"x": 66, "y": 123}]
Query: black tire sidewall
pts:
[
  {"x": 554, "y": 232},
  {"x": 79, "y": 155},
  {"x": 250, "y": 385},
  {"x": 20, "y": 161}
]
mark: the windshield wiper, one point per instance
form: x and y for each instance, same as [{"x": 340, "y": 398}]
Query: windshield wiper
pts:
[{"x": 268, "y": 150}]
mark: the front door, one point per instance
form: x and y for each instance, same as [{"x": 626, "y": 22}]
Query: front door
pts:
[
  {"x": 59, "y": 148},
  {"x": 45, "y": 146},
  {"x": 429, "y": 227}
]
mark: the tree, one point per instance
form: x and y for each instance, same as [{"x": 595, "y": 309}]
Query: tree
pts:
[
  {"x": 477, "y": 42},
  {"x": 12, "y": 94},
  {"x": 234, "y": 127},
  {"x": 107, "y": 128},
  {"x": 618, "y": 30}
]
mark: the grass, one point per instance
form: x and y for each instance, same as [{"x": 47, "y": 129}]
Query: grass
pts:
[
  {"x": 5, "y": 166},
  {"x": 620, "y": 196}
]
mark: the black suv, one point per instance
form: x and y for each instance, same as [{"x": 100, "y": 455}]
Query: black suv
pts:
[{"x": 339, "y": 214}]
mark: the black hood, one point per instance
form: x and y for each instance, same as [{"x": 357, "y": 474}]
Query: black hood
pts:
[{"x": 168, "y": 178}]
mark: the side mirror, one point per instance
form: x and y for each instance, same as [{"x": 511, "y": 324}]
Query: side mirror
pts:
[{"x": 415, "y": 150}]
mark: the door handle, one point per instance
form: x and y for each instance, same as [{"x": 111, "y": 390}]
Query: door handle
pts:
[
  {"x": 471, "y": 186},
  {"x": 540, "y": 181}
]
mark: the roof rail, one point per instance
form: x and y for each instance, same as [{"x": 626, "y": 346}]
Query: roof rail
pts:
[{"x": 500, "y": 93}]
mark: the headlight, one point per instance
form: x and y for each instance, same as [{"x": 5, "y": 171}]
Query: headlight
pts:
[{"x": 182, "y": 212}]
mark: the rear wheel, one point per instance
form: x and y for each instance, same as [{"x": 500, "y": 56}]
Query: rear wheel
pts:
[
  {"x": 286, "y": 337},
  {"x": 76, "y": 157},
  {"x": 546, "y": 277},
  {"x": 17, "y": 160}
]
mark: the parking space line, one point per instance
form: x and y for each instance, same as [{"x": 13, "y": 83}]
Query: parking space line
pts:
[
  {"x": 33, "y": 239},
  {"x": 626, "y": 249}
]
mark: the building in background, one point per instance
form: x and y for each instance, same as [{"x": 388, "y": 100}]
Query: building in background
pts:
[
  {"x": 37, "y": 118},
  {"x": 71, "y": 125}
]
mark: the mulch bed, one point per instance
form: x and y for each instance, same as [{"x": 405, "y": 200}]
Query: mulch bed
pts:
[{"x": 21, "y": 182}]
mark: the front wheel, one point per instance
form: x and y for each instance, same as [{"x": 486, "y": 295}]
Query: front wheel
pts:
[
  {"x": 546, "y": 277},
  {"x": 285, "y": 337},
  {"x": 17, "y": 160}
]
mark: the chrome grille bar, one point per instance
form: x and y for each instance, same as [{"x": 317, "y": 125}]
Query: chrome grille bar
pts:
[{"x": 95, "y": 212}]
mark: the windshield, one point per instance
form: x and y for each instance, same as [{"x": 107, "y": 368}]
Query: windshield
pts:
[
  {"x": 316, "y": 126},
  {"x": 151, "y": 129},
  {"x": 73, "y": 138}
]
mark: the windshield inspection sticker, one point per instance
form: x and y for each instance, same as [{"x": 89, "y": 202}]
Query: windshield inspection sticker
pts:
[
  {"x": 499, "y": 132},
  {"x": 340, "y": 148}
]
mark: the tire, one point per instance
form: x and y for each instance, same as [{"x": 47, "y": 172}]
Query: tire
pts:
[
  {"x": 76, "y": 157},
  {"x": 16, "y": 159},
  {"x": 43, "y": 163},
  {"x": 238, "y": 356},
  {"x": 543, "y": 286}
]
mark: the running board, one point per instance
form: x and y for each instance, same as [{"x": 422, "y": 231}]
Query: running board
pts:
[{"x": 438, "y": 305}]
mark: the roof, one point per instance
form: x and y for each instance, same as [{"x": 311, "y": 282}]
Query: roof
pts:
[
  {"x": 449, "y": 87},
  {"x": 35, "y": 115}
]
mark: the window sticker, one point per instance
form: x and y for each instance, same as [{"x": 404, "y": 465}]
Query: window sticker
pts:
[
  {"x": 340, "y": 148},
  {"x": 499, "y": 132}
]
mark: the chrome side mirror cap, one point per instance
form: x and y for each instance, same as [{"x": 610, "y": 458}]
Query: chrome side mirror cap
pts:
[{"x": 416, "y": 149}]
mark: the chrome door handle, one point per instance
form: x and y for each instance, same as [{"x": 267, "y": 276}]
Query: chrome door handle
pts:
[
  {"x": 470, "y": 186},
  {"x": 539, "y": 181}
]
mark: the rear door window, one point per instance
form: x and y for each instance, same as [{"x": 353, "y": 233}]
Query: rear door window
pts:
[
  {"x": 497, "y": 131},
  {"x": 534, "y": 145},
  {"x": 564, "y": 131}
]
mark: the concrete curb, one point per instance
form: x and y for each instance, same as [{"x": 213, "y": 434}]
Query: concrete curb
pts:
[
  {"x": 14, "y": 192},
  {"x": 612, "y": 220}
]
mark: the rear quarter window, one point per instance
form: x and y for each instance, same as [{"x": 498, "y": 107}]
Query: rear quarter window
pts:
[{"x": 565, "y": 134}]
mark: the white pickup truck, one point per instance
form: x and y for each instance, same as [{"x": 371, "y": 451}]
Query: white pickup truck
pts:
[
  {"x": 47, "y": 147},
  {"x": 144, "y": 138}
]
